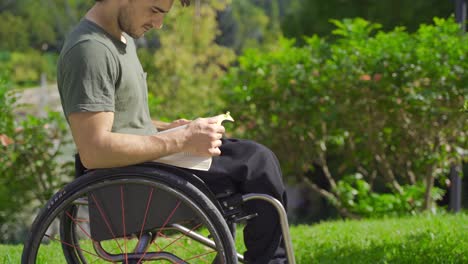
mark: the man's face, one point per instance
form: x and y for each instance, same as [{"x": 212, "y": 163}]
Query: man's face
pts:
[{"x": 138, "y": 16}]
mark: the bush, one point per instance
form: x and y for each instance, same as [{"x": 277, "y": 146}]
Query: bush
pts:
[
  {"x": 29, "y": 169},
  {"x": 25, "y": 67},
  {"x": 356, "y": 196},
  {"x": 386, "y": 105}
]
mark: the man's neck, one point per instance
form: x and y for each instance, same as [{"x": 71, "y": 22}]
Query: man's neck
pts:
[{"x": 104, "y": 14}]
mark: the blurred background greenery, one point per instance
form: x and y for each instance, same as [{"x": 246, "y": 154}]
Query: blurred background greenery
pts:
[{"x": 364, "y": 102}]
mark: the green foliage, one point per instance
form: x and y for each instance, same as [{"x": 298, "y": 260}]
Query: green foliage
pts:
[
  {"x": 184, "y": 72},
  {"x": 384, "y": 104},
  {"x": 13, "y": 32},
  {"x": 41, "y": 25},
  {"x": 309, "y": 17},
  {"x": 25, "y": 68},
  {"x": 356, "y": 195},
  {"x": 257, "y": 25},
  {"x": 29, "y": 169},
  {"x": 421, "y": 239}
]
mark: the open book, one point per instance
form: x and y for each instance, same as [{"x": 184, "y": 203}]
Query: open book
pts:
[{"x": 189, "y": 160}]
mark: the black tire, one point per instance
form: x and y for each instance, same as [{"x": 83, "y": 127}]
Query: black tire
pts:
[{"x": 63, "y": 202}]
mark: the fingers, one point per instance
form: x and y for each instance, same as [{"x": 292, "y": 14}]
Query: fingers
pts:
[
  {"x": 215, "y": 151},
  {"x": 205, "y": 136},
  {"x": 212, "y": 120},
  {"x": 213, "y": 125},
  {"x": 183, "y": 120},
  {"x": 220, "y": 129},
  {"x": 217, "y": 143}
]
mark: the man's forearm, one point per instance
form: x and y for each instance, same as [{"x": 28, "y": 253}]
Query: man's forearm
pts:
[
  {"x": 99, "y": 147},
  {"x": 117, "y": 150}
]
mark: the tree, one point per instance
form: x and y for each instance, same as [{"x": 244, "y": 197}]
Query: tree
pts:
[
  {"x": 308, "y": 17},
  {"x": 249, "y": 24},
  {"x": 41, "y": 25}
]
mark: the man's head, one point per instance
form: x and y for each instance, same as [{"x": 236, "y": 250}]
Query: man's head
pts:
[{"x": 135, "y": 17}]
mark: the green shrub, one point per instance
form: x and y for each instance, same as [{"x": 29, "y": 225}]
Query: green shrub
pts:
[
  {"x": 25, "y": 67},
  {"x": 382, "y": 104},
  {"x": 356, "y": 195},
  {"x": 29, "y": 170},
  {"x": 13, "y": 32}
]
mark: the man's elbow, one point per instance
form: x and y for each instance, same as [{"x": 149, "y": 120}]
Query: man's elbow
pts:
[
  {"x": 88, "y": 159},
  {"x": 93, "y": 150},
  {"x": 92, "y": 156}
]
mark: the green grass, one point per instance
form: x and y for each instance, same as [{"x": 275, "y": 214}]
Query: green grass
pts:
[{"x": 419, "y": 239}]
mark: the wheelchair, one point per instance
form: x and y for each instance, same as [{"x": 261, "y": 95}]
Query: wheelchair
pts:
[{"x": 141, "y": 213}]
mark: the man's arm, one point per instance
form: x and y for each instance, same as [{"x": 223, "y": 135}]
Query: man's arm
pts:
[{"x": 101, "y": 148}]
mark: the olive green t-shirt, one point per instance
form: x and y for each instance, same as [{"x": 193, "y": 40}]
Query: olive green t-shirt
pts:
[{"x": 98, "y": 73}]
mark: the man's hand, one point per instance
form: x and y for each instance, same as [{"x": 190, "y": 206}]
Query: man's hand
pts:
[
  {"x": 177, "y": 123},
  {"x": 161, "y": 126},
  {"x": 203, "y": 137}
]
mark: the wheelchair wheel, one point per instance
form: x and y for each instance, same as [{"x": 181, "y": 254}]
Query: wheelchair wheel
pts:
[{"x": 129, "y": 215}]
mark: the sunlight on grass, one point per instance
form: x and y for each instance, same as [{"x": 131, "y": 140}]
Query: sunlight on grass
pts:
[{"x": 418, "y": 239}]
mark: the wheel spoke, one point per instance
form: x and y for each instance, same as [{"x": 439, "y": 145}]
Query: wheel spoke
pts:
[
  {"x": 82, "y": 229},
  {"x": 183, "y": 234},
  {"x": 201, "y": 255},
  {"x": 123, "y": 223},
  {"x": 165, "y": 223},
  {"x": 146, "y": 212},
  {"x": 70, "y": 245},
  {"x": 106, "y": 221},
  {"x": 188, "y": 250}
]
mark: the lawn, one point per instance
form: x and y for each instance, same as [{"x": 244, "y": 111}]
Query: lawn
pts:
[{"x": 418, "y": 239}]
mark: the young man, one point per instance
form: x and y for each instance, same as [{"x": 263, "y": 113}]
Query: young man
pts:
[{"x": 104, "y": 97}]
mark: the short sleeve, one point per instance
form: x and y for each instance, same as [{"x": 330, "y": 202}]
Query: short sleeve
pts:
[{"x": 87, "y": 76}]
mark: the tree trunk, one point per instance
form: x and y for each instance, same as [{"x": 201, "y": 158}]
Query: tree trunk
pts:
[
  {"x": 427, "y": 194},
  {"x": 430, "y": 178},
  {"x": 331, "y": 197}
]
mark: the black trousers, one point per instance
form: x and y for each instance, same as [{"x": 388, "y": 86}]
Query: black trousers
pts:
[{"x": 249, "y": 167}]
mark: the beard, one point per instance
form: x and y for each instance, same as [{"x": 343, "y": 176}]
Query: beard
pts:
[{"x": 124, "y": 21}]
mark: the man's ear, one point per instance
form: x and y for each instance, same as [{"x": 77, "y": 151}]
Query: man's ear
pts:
[{"x": 185, "y": 2}]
